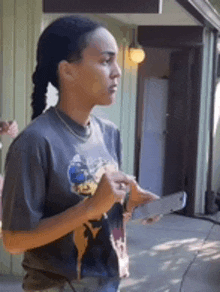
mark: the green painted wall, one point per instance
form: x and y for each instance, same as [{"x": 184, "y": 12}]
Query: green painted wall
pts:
[{"x": 20, "y": 23}]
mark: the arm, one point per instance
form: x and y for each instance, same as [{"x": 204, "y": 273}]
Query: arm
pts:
[
  {"x": 55, "y": 227},
  {"x": 48, "y": 229}
]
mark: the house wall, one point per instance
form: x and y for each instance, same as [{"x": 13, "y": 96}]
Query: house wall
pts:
[{"x": 20, "y": 27}]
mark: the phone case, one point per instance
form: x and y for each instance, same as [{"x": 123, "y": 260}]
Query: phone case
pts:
[{"x": 164, "y": 205}]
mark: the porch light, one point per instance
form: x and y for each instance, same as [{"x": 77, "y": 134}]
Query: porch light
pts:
[{"x": 136, "y": 53}]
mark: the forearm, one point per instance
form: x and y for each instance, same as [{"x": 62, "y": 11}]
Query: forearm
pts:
[{"x": 48, "y": 230}]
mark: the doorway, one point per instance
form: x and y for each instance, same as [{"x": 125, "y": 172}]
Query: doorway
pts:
[
  {"x": 153, "y": 100},
  {"x": 167, "y": 154}
]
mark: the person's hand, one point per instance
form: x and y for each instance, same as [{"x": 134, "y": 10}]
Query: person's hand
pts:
[
  {"x": 139, "y": 196},
  {"x": 1, "y": 185},
  {"x": 13, "y": 129},
  {"x": 112, "y": 188},
  {"x": 4, "y": 126},
  {"x": 152, "y": 220},
  {"x": 9, "y": 128}
]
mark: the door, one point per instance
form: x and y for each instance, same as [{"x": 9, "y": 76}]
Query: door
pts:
[
  {"x": 177, "y": 141},
  {"x": 152, "y": 140}
]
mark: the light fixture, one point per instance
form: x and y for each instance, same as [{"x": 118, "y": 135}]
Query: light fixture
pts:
[{"x": 136, "y": 53}]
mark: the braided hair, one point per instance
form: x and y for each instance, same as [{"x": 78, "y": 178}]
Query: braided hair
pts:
[{"x": 63, "y": 39}]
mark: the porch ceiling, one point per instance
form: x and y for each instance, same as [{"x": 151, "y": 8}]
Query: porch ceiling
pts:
[{"x": 172, "y": 14}]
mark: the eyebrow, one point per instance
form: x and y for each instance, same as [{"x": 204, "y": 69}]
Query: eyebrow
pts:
[{"x": 108, "y": 53}]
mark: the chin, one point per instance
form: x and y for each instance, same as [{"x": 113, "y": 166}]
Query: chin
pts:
[
  {"x": 110, "y": 100},
  {"x": 106, "y": 100}
]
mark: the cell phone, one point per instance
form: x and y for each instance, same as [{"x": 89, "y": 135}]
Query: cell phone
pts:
[{"x": 165, "y": 205}]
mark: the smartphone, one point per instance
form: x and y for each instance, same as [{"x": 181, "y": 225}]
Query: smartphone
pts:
[{"x": 164, "y": 205}]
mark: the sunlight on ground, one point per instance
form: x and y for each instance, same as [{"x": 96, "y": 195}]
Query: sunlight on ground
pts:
[
  {"x": 168, "y": 261},
  {"x": 176, "y": 255},
  {"x": 207, "y": 251},
  {"x": 210, "y": 251},
  {"x": 189, "y": 243},
  {"x": 175, "y": 281},
  {"x": 132, "y": 282}
]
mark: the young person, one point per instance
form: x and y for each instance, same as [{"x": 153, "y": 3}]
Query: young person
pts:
[
  {"x": 64, "y": 197},
  {"x": 6, "y": 128}
]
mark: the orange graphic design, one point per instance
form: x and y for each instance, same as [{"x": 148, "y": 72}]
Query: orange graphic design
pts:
[
  {"x": 84, "y": 180},
  {"x": 119, "y": 244}
]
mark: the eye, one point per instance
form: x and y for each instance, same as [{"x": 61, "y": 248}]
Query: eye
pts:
[{"x": 107, "y": 61}]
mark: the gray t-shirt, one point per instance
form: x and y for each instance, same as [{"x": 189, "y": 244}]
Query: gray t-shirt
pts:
[{"x": 52, "y": 165}]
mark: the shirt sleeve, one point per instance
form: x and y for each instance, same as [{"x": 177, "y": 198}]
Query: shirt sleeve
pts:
[{"x": 25, "y": 185}]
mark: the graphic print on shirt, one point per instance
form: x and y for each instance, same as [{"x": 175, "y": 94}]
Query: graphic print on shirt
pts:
[
  {"x": 118, "y": 240},
  {"x": 84, "y": 176}
]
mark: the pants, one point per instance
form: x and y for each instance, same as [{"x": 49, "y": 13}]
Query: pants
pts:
[{"x": 89, "y": 284}]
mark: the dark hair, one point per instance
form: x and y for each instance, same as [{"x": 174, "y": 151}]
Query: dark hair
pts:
[{"x": 63, "y": 39}]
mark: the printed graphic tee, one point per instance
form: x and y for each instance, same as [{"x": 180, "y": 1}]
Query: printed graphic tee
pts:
[{"x": 52, "y": 165}]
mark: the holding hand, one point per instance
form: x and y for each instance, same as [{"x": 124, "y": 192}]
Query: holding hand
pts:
[
  {"x": 9, "y": 128},
  {"x": 111, "y": 189},
  {"x": 139, "y": 196}
]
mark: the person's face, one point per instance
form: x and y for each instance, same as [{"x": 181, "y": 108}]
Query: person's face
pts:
[{"x": 97, "y": 75}]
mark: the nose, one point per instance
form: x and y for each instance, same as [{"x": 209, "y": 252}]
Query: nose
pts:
[{"x": 116, "y": 71}]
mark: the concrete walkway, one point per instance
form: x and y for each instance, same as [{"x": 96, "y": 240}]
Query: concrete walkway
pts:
[{"x": 177, "y": 254}]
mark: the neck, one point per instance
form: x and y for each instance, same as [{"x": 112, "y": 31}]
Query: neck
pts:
[{"x": 74, "y": 110}]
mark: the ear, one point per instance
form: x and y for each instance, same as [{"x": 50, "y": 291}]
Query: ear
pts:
[{"x": 65, "y": 70}]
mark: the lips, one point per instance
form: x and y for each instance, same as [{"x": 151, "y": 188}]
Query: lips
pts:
[{"x": 113, "y": 87}]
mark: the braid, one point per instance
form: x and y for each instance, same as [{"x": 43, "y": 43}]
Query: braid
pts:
[
  {"x": 63, "y": 39},
  {"x": 40, "y": 80}
]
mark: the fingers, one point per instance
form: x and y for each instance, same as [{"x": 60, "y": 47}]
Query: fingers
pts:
[
  {"x": 121, "y": 180},
  {"x": 152, "y": 197},
  {"x": 152, "y": 220},
  {"x": 4, "y": 126},
  {"x": 118, "y": 184},
  {"x": 12, "y": 129},
  {"x": 9, "y": 128},
  {"x": 121, "y": 186},
  {"x": 120, "y": 191},
  {"x": 120, "y": 177}
]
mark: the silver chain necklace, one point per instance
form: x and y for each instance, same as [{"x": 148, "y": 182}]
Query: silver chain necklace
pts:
[{"x": 70, "y": 129}]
